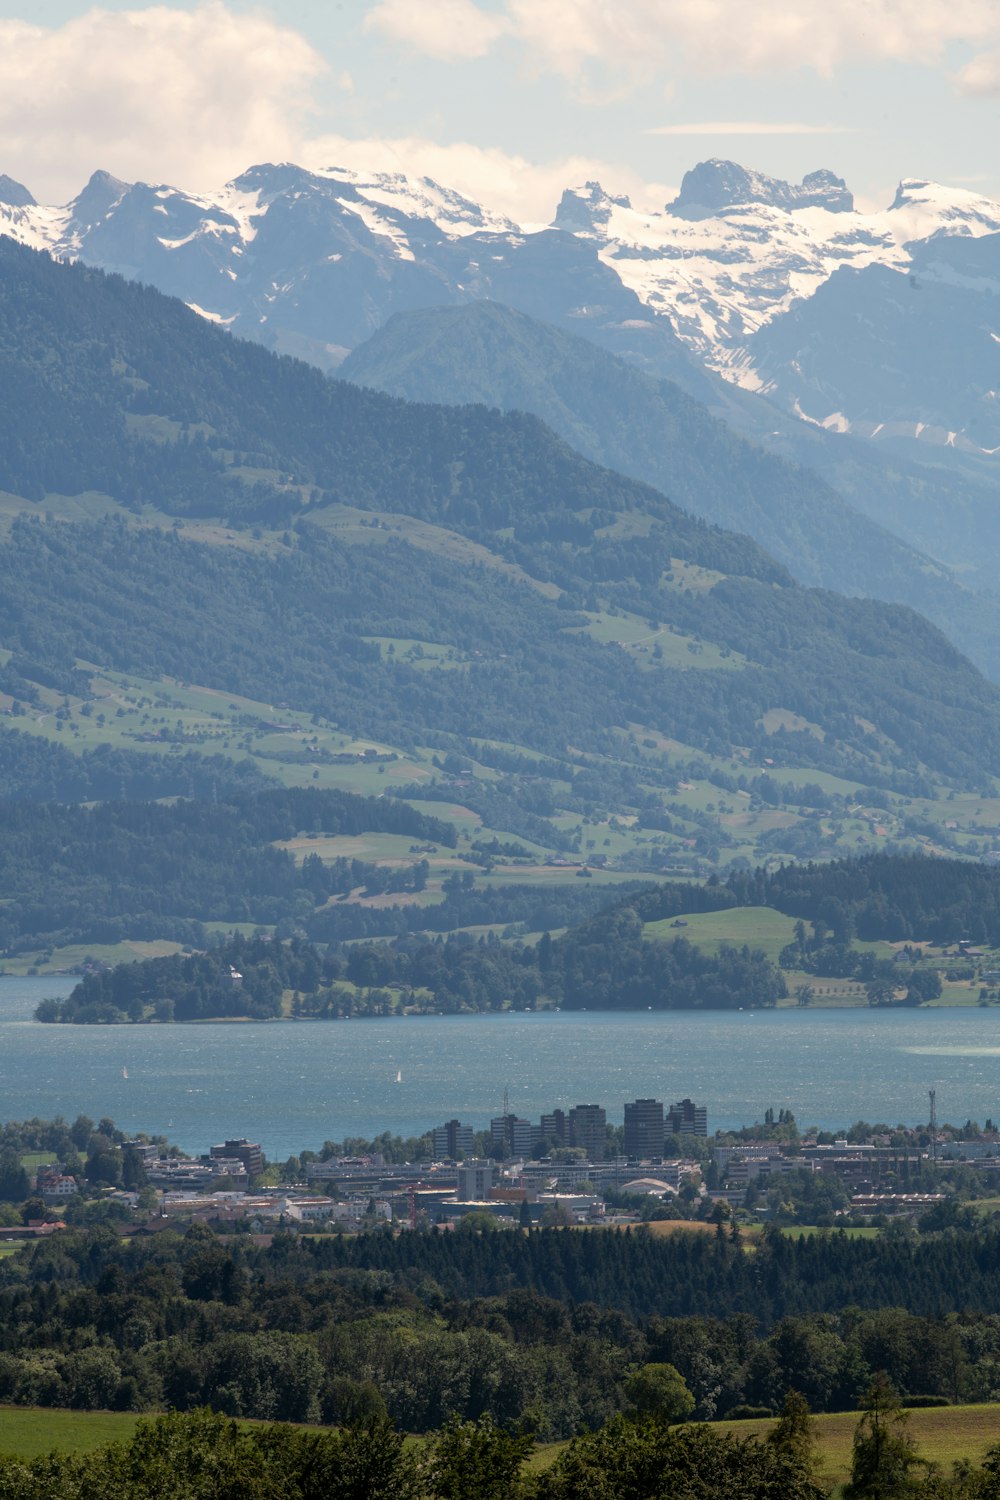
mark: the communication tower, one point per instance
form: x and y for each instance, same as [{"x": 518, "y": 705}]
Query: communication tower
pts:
[{"x": 933, "y": 1124}]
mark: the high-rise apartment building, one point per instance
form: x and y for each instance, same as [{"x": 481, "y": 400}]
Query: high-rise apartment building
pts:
[
  {"x": 687, "y": 1118},
  {"x": 555, "y": 1127},
  {"x": 516, "y": 1137},
  {"x": 452, "y": 1140},
  {"x": 588, "y": 1127},
  {"x": 644, "y": 1129}
]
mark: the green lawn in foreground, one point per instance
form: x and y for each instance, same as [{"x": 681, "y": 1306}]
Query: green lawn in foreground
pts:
[
  {"x": 942, "y": 1434},
  {"x": 27, "y": 1431}
]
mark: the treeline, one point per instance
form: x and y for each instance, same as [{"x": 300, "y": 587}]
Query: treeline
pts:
[
  {"x": 540, "y": 1329},
  {"x": 203, "y": 1456},
  {"x": 895, "y": 898},
  {"x": 888, "y": 897},
  {"x": 33, "y": 769},
  {"x": 605, "y": 964},
  {"x": 75, "y": 874},
  {"x": 681, "y": 1275},
  {"x": 528, "y": 907},
  {"x": 244, "y": 977}
]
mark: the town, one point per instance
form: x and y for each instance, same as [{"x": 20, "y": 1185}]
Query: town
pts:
[{"x": 571, "y": 1167}]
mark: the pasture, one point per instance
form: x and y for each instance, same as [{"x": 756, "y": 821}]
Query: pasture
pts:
[
  {"x": 943, "y": 1435},
  {"x": 30, "y": 1431}
]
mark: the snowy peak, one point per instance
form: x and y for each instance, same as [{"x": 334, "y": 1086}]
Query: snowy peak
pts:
[
  {"x": 715, "y": 185},
  {"x": 921, "y": 209},
  {"x": 587, "y": 209},
  {"x": 14, "y": 194},
  {"x": 390, "y": 197},
  {"x": 97, "y": 199},
  {"x": 311, "y": 260}
]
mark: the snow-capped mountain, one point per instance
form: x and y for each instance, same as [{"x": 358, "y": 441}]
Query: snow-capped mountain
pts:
[
  {"x": 735, "y": 249},
  {"x": 311, "y": 263},
  {"x": 748, "y": 275},
  {"x": 909, "y": 354}
]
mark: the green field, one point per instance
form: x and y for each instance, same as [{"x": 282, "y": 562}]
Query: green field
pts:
[
  {"x": 661, "y": 646},
  {"x": 28, "y": 1431},
  {"x": 764, "y": 928},
  {"x": 759, "y": 926},
  {"x": 65, "y": 960},
  {"x": 943, "y": 1435}
]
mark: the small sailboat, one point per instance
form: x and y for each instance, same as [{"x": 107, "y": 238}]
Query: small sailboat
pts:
[
  {"x": 399, "y": 1075},
  {"x": 124, "y": 1072}
]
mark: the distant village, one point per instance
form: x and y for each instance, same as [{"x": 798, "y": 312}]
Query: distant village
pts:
[{"x": 568, "y": 1168}]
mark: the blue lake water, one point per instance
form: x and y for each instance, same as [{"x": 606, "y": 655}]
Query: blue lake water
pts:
[{"x": 292, "y": 1085}]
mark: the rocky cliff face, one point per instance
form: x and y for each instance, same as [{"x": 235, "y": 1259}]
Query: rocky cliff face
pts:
[{"x": 713, "y": 186}]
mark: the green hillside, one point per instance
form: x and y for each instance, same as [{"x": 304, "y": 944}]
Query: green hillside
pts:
[
  {"x": 221, "y": 571},
  {"x": 650, "y": 429}
]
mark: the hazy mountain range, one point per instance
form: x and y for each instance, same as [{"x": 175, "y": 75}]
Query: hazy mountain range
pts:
[
  {"x": 883, "y": 326},
  {"x": 312, "y": 262}
]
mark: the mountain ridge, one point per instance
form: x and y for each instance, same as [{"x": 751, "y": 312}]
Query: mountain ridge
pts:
[
  {"x": 617, "y": 416},
  {"x": 221, "y": 429}
]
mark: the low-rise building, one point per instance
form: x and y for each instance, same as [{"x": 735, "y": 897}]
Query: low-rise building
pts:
[
  {"x": 475, "y": 1179},
  {"x": 247, "y": 1152}
]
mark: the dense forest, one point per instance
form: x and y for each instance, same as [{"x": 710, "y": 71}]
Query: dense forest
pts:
[
  {"x": 74, "y": 874},
  {"x": 894, "y": 897},
  {"x": 541, "y": 1329},
  {"x": 33, "y": 769},
  {"x": 606, "y": 964}
]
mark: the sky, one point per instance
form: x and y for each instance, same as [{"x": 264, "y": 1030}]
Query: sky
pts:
[{"x": 508, "y": 101}]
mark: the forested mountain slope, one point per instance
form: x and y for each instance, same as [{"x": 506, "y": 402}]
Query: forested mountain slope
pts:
[
  {"x": 651, "y": 429},
  {"x": 120, "y": 396}
]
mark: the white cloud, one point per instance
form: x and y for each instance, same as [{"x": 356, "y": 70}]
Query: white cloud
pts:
[
  {"x": 644, "y": 38},
  {"x": 188, "y": 96},
  {"x": 981, "y": 77},
  {"x": 525, "y": 191},
  {"x": 450, "y": 30},
  {"x": 749, "y": 127}
]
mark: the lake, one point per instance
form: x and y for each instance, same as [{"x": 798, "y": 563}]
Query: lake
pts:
[{"x": 293, "y": 1085}]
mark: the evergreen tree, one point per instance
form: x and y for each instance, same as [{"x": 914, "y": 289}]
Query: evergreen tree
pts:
[
  {"x": 884, "y": 1451},
  {"x": 794, "y": 1435}
]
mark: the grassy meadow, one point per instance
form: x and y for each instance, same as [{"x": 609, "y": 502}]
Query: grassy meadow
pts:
[
  {"x": 943, "y": 1435},
  {"x": 29, "y": 1431}
]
